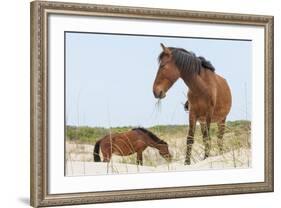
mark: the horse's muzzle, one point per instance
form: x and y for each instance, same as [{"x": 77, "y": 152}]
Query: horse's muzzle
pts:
[
  {"x": 159, "y": 94},
  {"x": 168, "y": 157}
]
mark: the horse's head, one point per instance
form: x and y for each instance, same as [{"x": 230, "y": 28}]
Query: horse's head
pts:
[
  {"x": 164, "y": 151},
  {"x": 167, "y": 73}
]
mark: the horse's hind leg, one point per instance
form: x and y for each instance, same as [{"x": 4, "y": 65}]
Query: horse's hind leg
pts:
[
  {"x": 139, "y": 158},
  {"x": 106, "y": 155},
  {"x": 221, "y": 127},
  {"x": 206, "y": 138},
  {"x": 106, "y": 158},
  {"x": 205, "y": 128}
]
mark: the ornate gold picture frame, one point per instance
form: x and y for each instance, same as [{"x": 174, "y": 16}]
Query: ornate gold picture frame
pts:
[{"x": 41, "y": 194}]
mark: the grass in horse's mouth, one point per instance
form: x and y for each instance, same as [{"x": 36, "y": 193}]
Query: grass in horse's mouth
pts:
[{"x": 158, "y": 105}]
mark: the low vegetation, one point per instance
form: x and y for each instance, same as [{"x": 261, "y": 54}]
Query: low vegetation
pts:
[{"x": 236, "y": 130}]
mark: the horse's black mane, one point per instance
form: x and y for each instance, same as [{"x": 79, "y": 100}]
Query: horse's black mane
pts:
[
  {"x": 150, "y": 134},
  {"x": 187, "y": 61}
]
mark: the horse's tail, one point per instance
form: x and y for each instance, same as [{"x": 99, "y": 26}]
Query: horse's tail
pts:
[{"x": 96, "y": 152}]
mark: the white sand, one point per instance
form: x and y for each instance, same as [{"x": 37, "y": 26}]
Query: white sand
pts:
[{"x": 75, "y": 167}]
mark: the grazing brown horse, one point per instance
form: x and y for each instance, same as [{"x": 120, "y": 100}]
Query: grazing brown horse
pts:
[
  {"x": 124, "y": 144},
  {"x": 209, "y": 96}
]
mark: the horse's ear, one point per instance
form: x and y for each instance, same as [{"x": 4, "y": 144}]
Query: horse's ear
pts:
[{"x": 165, "y": 49}]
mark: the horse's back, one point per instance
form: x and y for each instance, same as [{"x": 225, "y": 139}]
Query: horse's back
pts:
[{"x": 123, "y": 144}]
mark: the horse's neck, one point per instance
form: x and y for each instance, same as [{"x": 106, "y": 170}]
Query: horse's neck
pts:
[
  {"x": 152, "y": 143},
  {"x": 194, "y": 82}
]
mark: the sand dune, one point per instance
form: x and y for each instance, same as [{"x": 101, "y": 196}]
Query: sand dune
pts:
[{"x": 240, "y": 158}]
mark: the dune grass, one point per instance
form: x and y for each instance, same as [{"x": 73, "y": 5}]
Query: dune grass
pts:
[{"x": 237, "y": 138}]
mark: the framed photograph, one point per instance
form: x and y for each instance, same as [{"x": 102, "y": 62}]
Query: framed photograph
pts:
[{"x": 143, "y": 103}]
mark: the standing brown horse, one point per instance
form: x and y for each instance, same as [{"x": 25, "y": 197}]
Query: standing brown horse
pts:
[
  {"x": 209, "y": 96},
  {"x": 124, "y": 144}
]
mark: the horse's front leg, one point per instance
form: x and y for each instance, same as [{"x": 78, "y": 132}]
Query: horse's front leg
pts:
[
  {"x": 205, "y": 128},
  {"x": 139, "y": 158},
  {"x": 190, "y": 138}
]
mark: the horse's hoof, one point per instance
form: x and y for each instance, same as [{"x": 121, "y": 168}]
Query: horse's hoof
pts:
[{"x": 187, "y": 162}]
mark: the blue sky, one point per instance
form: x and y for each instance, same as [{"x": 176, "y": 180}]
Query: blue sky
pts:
[{"x": 109, "y": 78}]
